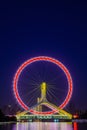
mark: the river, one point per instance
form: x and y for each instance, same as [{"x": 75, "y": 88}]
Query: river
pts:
[{"x": 43, "y": 126}]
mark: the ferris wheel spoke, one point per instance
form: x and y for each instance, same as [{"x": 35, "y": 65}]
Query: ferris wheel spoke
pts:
[
  {"x": 58, "y": 90},
  {"x": 45, "y": 70},
  {"x": 27, "y": 83},
  {"x": 52, "y": 91},
  {"x": 31, "y": 92},
  {"x": 31, "y": 76},
  {"x": 31, "y": 83},
  {"x": 32, "y": 79},
  {"x": 30, "y": 99},
  {"x": 36, "y": 75},
  {"x": 53, "y": 97},
  {"x": 53, "y": 87},
  {"x": 58, "y": 77},
  {"x": 53, "y": 94}
]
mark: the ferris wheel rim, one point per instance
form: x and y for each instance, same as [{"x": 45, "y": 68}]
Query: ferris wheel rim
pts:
[{"x": 42, "y": 58}]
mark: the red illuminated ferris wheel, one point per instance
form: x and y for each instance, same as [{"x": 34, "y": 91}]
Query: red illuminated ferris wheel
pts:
[{"x": 27, "y": 65}]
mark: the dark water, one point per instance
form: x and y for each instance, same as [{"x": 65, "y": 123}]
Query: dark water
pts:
[{"x": 43, "y": 126}]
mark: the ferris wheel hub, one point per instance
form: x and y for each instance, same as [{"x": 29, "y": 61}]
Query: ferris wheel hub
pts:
[{"x": 43, "y": 90}]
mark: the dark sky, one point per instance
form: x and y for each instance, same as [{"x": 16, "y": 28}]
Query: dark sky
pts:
[{"x": 54, "y": 29}]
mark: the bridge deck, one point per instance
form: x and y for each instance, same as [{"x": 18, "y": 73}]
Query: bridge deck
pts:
[{"x": 33, "y": 117}]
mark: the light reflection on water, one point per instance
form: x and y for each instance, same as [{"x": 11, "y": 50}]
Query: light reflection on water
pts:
[
  {"x": 75, "y": 126},
  {"x": 79, "y": 125},
  {"x": 44, "y": 126}
]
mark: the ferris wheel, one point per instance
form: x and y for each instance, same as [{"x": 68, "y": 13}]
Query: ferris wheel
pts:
[{"x": 33, "y": 75}]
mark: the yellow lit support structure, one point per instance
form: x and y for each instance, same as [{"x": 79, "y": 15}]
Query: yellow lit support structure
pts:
[{"x": 61, "y": 114}]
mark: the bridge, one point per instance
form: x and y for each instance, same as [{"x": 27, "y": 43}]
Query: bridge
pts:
[{"x": 56, "y": 114}]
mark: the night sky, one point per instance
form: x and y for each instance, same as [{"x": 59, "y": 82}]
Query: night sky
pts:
[{"x": 54, "y": 29}]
